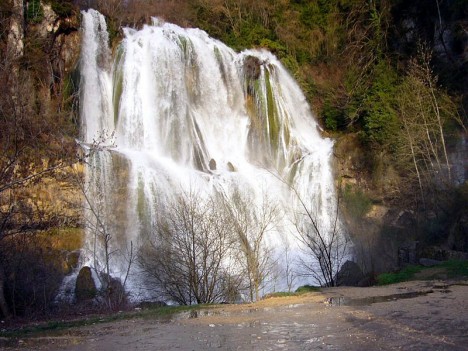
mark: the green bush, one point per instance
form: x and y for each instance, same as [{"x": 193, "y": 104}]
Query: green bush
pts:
[
  {"x": 333, "y": 117},
  {"x": 274, "y": 46},
  {"x": 454, "y": 268},
  {"x": 63, "y": 8},
  {"x": 381, "y": 123},
  {"x": 34, "y": 11}
]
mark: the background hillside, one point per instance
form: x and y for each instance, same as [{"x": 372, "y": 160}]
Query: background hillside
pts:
[{"x": 386, "y": 79}]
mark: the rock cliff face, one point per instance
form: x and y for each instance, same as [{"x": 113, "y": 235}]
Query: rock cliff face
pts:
[
  {"x": 387, "y": 230},
  {"x": 43, "y": 52},
  {"x": 15, "y": 45},
  {"x": 61, "y": 39}
]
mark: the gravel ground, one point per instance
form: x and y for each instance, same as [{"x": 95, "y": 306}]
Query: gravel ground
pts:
[{"x": 418, "y": 315}]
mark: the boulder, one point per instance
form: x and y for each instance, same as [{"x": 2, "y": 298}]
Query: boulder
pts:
[
  {"x": 231, "y": 167},
  {"x": 350, "y": 274},
  {"x": 113, "y": 290},
  {"x": 408, "y": 253},
  {"x": 252, "y": 67},
  {"x": 212, "y": 165},
  {"x": 365, "y": 282},
  {"x": 428, "y": 262},
  {"x": 85, "y": 288}
]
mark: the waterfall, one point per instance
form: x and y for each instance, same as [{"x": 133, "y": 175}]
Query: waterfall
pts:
[{"x": 177, "y": 111}]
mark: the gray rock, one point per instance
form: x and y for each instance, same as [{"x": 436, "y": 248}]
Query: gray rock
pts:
[
  {"x": 113, "y": 290},
  {"x": 350, "y": 274},
  {"x": 427, "y": 262},
  {"x": 252, "y": 67},
  {"x": 407, "y": 253},
  {"x": 365, "y": 282}
]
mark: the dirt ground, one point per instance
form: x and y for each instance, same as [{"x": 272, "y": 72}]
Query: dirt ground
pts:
[{"x": 418, "y": 315}]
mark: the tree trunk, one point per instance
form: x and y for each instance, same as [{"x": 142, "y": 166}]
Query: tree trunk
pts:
[{"x": 3, "y": 304}]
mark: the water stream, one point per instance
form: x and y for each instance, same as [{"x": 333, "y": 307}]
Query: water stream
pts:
[{"x": 172, "y": 111}]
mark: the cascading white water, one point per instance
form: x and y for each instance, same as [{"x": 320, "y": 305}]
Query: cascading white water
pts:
[{"x": 190, "y": 113}]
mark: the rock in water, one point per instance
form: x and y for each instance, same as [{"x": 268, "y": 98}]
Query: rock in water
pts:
[
  {"x": 212, "y": 165},
  {"x": 252, "y": 67},
  {"x": 85, "y": 288}
]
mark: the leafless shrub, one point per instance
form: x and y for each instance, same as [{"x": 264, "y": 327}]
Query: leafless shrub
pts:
[{"x": 189, "y": 257}]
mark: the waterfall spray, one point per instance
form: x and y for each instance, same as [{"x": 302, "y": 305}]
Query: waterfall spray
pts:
[{"x": 188, "y": 113}]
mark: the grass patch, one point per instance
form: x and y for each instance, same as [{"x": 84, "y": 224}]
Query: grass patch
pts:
[
  {"x": 59, "y": 325},
  {"x": 56, "y": 325},
  {"x": 280, "y": 294},
  {"x": 306, "y": 289},
  {"x": 454, "y": 268},
  {"x": 405, "y": 274},
  {"x": 299, "y": 291}
]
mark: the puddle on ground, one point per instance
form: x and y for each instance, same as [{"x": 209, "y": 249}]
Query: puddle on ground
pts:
[
  {"x": 193, "y": 314},
  {"x": 215, "y": 312},
  {"x": 346, "y": 301}
]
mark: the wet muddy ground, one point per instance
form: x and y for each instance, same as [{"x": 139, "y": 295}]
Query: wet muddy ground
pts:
[{"x": 407, "y": 316}]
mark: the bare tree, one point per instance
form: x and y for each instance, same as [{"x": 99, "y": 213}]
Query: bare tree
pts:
[
  {"x": 326, "y": 248},
  {"x": 424, "y": 111},
  {"x": 289, "y": 271},
  {"x": 190, "y": 256},
  {"x": 32, "y": 148},
  {"x": 251, "y": 223},
  {"x": 325, "y": 245},
  {"x": 99, "y": 223}
]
